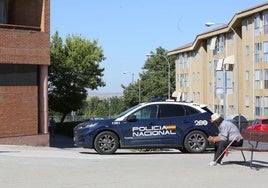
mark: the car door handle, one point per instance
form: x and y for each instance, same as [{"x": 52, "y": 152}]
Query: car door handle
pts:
[
  {"x": 151, "y": 123},
  {"x": 185, "y": 121}
]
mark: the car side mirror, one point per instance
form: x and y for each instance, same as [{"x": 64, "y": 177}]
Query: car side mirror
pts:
[{"x": 131, "y": 118}]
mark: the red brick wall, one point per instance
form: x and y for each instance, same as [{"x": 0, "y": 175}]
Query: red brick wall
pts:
[
  {"x": 18, "y": 111},
  {"x": 19, "y": 105},
  {"x": 45, "y": 22},
  {"x": 24, "y": 47}
]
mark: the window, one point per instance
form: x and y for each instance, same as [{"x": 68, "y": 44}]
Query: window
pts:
[
  {"x": 245, "y": 23},
  {"x": 3, "y": 11},
  {"x": 265, "y": 22},
  {"x": 229, "y": 82},
  {"x": 257, "y": 25},
  {"x": 221, "y": 44},
  {"x": 265, "y": 78},
  {"x": 231, "y": 37},
  {"x": 180, "y": 60},
  {"x": 183, "y": 61},
  {"x": 147, "y": 112},
  {"x": 190, "y": 111},
  {"x": 171, "y": 110},
  {"x": 220, "y": 86},
  {"x": 257, "y": 105},
  {"x": 247, "y": 101},
  {"x": 258, "y": 79},
  {"x": 18, "y": 75},
  {"x": 265, "y": 106},
  {"x": 255, "y": 122},
  {"x": 265, "y": 51},
  {"x": 17, "y": 14},
  {"x": 184, "y": 80},
  {"x": 257, "y": 50},
  {"x": 229, "y": 62},
  {"x": 217, "y": 46},
  {"x": 219, "y": 65},
  {"x": 174, "y": 110},
  {"x": 218, "y": 109},
  {"x": 213, "y": 43},
  {"x": 265, "y": 121}
]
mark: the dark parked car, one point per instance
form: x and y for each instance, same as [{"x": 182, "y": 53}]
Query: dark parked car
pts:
[{"x": 165, "y": 124}]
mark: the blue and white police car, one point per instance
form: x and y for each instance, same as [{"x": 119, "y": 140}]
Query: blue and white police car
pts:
[{"x": 162, "y": 124}]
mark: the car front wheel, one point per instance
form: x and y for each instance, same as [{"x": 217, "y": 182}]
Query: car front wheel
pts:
[
  {"x": 195, "y": 142},
  {"x": 106, "y": 142}
]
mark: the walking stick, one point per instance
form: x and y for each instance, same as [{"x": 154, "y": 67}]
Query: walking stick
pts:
[{"x": 226, "y": 149}]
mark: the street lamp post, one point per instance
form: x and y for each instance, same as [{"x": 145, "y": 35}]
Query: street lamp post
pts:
[
  {"x": 153, "y": 54},
  {"x": 208, "y": 24}
]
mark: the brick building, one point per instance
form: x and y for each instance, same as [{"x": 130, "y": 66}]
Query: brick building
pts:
[{"x": 24, "y": 61}]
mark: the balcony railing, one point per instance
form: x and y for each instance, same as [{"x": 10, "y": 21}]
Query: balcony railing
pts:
[{"x": 21, "y": 27}]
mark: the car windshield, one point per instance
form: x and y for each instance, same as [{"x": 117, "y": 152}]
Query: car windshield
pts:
[
  {"x": 128, "y": 110},
  {"x": 255, "y": 122}
]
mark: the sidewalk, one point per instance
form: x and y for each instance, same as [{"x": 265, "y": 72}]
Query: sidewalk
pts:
[{"x": 61, "y": 165}]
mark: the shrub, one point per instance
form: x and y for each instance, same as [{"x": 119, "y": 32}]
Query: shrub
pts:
[{"x": 66, "y": 128}]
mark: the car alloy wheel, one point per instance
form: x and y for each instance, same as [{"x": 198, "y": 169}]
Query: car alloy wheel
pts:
[
  {"x": 106, "y": 142},
  {"x": 195, "y": 142}
]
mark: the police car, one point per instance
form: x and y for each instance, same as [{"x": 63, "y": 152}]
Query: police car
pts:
[{"x": 162, "y": 124}]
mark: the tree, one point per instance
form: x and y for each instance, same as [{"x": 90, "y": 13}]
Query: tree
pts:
[
  {"x": 75, "y": 66},
  {"x": 131, "y": 94},
  {"x": 105, "y": 108},
  {"x": 153, "y": 80}
]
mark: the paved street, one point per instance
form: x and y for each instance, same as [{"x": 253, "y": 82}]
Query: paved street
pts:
[{"x": 67, "y": 167}]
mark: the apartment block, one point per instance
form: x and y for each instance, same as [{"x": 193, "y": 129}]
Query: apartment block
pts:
[
  {"x": 227, "y": 67},
  {"x": 24, "y": 61}
]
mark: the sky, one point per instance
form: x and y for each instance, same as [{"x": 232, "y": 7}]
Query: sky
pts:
[{"x": 127, "y": 30}]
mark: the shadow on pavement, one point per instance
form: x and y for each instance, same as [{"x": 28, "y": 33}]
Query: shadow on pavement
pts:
[
  {"x": 60, "y": 141},
  {"x": 257, "y": 165}
]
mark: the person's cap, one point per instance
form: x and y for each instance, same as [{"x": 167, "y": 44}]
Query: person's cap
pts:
[{"x": 215, "y": 116}]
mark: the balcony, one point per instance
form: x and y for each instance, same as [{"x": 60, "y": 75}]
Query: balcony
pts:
[
  {"x": 21, "y": 27},
  {"x": 16, "y": 14}
]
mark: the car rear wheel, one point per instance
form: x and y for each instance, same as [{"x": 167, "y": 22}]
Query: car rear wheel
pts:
[
  {"x": 195, "y": 142},
  {"x": 106, "y": 143}
]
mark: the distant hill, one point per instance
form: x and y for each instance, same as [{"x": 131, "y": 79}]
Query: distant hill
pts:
[{"x": 101, "y": 95}]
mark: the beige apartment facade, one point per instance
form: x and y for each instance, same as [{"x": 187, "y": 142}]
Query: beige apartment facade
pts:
[{"x": 227, "y": 67}]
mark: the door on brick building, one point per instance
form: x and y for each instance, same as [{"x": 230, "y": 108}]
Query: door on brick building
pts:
[{"x": 3, "y": 11}]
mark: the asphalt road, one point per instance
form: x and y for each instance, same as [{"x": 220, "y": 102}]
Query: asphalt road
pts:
[{"x": 63, "y": 166}]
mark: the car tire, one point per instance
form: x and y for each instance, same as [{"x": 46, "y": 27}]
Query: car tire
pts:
[
  {"x": 195, "y": 142},
  {"x": 106, "y": 142}
]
